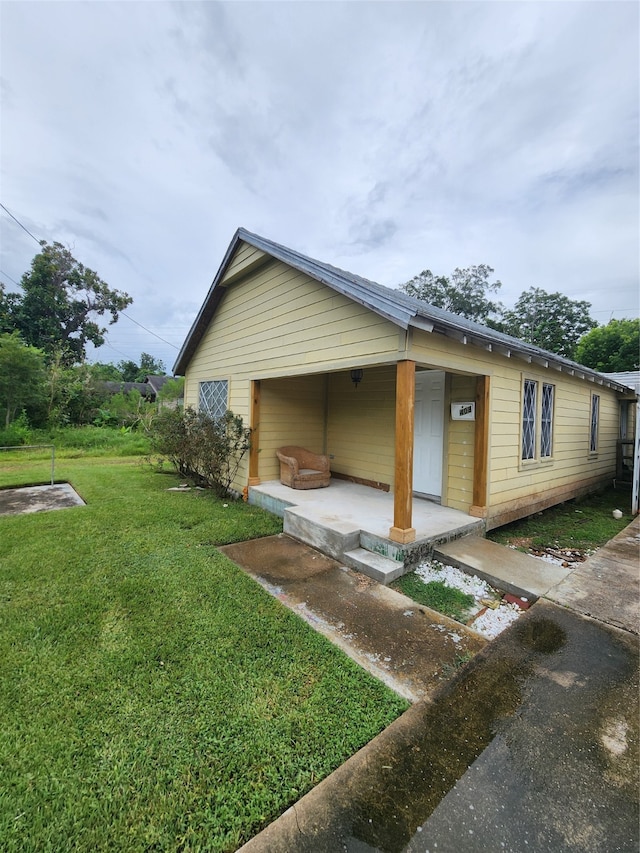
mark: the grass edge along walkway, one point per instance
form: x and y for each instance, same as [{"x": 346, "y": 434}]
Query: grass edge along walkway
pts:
[{"x": 152, "y": 695}]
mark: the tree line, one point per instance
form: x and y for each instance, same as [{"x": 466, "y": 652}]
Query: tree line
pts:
[
  {"x": 550, "y": 321},
  {"x": 45, "y": 328}
]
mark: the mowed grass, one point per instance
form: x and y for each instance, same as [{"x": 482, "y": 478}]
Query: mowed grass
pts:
[{"x": 153, "y": 697}]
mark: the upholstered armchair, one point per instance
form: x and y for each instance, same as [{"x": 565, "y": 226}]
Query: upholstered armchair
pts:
[{"x": 302, "y": 469}]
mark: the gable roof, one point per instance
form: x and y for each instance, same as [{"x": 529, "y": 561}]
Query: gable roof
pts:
[
  {"x": 394, "y": 305},
  {"x": 157, "y": 381}
]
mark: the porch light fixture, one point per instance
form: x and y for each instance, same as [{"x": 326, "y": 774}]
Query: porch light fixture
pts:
[{"x": 356, "y": 376}]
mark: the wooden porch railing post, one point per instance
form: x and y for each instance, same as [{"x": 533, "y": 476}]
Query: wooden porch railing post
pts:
[
  {"x": 254, "y": 423},
  {"x": 481, "y": 448},
  {"x": 402, "y": 531}
]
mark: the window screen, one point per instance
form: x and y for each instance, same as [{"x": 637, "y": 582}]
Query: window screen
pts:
[
  {"x": 530, "y": 393},
  {"x": 213, "y": 398},
  {"x": 546, "y": 425}
]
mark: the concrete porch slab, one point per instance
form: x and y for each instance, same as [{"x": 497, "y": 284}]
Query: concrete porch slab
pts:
[{"x": 346, "y": 516}]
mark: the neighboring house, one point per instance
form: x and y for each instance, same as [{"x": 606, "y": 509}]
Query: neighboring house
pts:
[
  {"x": 155, "y": 383},
  {"x": 114, "y": 387},
  {"x": 445, "y": 408},
  {"x": 149, "y": 389},
  {"x": 628, "y": 460}
]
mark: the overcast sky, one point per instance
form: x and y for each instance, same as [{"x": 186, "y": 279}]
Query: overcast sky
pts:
[{"x": 384, "y": 138}]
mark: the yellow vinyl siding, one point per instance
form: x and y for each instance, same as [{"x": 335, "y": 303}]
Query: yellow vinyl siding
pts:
[
  {"x": 515, "y": 486},
  {"x": 280, "y": 326},
  {"x": 246, "y": 257},
  {"x": 292, "y": 411},
  {"x": 460, "y": 452},
  {"x": 279, "y": 322},
  {"x": 361, "y": 424}
]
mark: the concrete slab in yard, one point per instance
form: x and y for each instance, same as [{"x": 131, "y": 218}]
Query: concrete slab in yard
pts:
[{"x": 38, "y": 499}]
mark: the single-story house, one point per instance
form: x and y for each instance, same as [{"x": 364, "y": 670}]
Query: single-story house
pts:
[
  {"x": 149, "y": 389},
  {"x": 401, "y": 395}
]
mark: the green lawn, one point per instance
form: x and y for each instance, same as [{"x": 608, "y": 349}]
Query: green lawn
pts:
[
  {"x": 152, "y": 696},
  {"x": 583, "y": 524}
]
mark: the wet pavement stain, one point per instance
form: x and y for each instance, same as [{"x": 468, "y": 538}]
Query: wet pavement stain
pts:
[
  {"x": 540, "y": 635},
  {"x": 533, "y": 746},
  {"x": 454, "y": 731},
  {"x": 408, "y": 647}
]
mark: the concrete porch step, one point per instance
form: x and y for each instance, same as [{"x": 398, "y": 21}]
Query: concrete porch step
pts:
[
  {"x": 322, "y": 529},
  {"x": 505, "y": 568},
  {"x": 376, "y": 566}
]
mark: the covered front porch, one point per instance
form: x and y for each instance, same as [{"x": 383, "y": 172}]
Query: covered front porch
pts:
[
  {"x": 350, "y": 522},
  {"x": 372, "y": 429}
]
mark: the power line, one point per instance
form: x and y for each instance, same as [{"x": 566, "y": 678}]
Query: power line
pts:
[
  {"x": 106, "y": 344},
  {"x": 24, "y": 228},
  {"x": 6, "y": 275},
  {"x": 149, "y": 330},
  {"x": 39, "y": 242}
]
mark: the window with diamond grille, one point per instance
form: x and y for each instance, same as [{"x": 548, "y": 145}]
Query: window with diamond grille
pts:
[
  {"x": 529, "y": 401},
  {"x": 213, "y": 398},
  {"x": 546, "y": 424},
  {"x": 595, "y": 412}
]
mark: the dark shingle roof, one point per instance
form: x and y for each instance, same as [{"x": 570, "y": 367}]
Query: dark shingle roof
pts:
[{"x": 395, "y": 305}]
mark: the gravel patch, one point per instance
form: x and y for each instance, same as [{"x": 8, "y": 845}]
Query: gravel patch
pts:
[{"x": 491, "y": 614}]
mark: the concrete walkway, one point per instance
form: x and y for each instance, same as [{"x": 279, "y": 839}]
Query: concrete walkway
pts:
[
  {"x": 532, "y": 746},
  {"x": 607, "y": 585},
  {"x": 410, "y": 648},
  {"x": 504, "y": 568}
]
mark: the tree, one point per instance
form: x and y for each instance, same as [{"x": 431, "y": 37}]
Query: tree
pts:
[
  {"x": 22, "y": 376},
  {"x": 60, "y": 302},
  {"x": 172, "y": 391},
  {"x": 149, "y": 366},
  {"x": 105, "y": 372},
  {"x": 75, "y": 393},
  {"x": 464, "y": 292},
  {"x": 613, "y": 348},
  {"x": 6, "y": 310},
  {"x": 551, "y": 321}
]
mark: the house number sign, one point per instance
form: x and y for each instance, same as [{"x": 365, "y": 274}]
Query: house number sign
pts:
[{"x": 463, "y": 411}]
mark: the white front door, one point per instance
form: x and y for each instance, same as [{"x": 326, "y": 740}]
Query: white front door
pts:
[{"x": 428, "y": 433}]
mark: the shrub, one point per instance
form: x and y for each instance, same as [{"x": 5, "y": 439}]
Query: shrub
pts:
[
  {"x": 17, "y": 433},
  {"x": 205, "y": 449},
  {"x": 125, "y": 409}
]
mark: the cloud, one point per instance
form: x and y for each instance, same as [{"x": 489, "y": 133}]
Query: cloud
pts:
[{"x": 382, "y": 137}]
